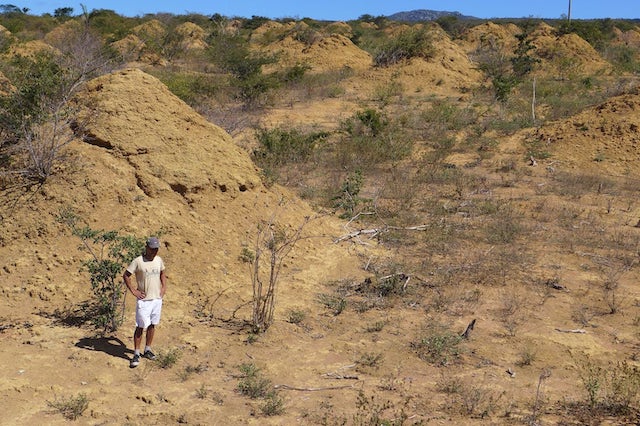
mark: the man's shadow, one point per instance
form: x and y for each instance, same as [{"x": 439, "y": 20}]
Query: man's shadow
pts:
[{"x": 109, "y": 345}]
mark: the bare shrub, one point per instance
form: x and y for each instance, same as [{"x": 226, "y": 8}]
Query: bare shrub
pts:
[
  {"x": 275, "y": 241},
  {"x": 511, "y": 312}
]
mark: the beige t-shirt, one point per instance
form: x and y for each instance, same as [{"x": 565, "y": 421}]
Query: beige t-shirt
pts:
[{"x": 147, "y": 275}]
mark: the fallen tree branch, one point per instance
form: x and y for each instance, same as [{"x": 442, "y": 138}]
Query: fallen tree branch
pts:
[
  {"x": 313, "y": 389},
  {"x": 375, "y": 231},
  {"x": 337, "y": 375},
  {"x": 577, "y": 330}
]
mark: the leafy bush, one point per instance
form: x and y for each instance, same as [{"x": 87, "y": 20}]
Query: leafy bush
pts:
[
  {"x": 232, "y": 54},
  {"x": 36, "y": 77},
  {"x": 347, "y": 198},
  {"x": 252, "y": 383},
  {"x": 296, "y": 316},
  {"x": 612, "y": 389},
  {"x": 412, "y": 43},
  {"x": 370, "y": 138},
  {"x": 167, "y": 359},
  {"x": 506, "y": 72},
  {"x": 190, "y": 87},
  {"x": 336, "y": 304},
  {"x": 280, "y": 146},
  {"x": 438, "y": 346},
  {"x": 296, "y": 73},
  {"x": 624, "y": 58},
  {"x": 273, "y": 405},
  {"x": 71, "y": 408},
  {"x": 597, "y": 32},
  {"x": 109, "y": 254}
]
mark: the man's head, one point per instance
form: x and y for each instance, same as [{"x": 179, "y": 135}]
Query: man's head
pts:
[{"x": 153, "y": 244}]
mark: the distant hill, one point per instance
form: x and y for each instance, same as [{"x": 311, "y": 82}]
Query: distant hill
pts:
[{"x": 425, "y": 15}]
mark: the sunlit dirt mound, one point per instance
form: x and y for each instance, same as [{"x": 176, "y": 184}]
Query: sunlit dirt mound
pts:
[
  {"x": 129, "y": 47},
  {"x": 191, "y": 37},
  {"x": 298, "y": 44},
  {"x": 566, "y": 55},
  {"x": 30, "y": 48},
  {"x": 629, "y": 38},
  {"x": 62, "y": 32},
  {"x": 141, "y": 44},
  {"x": 449, "y": 71},
  {"x": 503, "y": 37},
  {"x": 605, "y": 138}
]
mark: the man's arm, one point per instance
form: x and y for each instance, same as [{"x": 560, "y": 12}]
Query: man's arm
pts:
[
  {"x": 163, "y": 283},
  {"x": 134, "y": 290}
]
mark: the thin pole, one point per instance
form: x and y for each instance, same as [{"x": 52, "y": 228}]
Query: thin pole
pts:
[
  {"x": 533, "y": 102},
  {"x": 569, "y": 14}
]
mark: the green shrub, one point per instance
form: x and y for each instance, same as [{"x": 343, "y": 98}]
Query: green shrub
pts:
[
  {"x": 273, "y": 405},
  {"x": 190, "y": 87},
  {"x": 369, "y": 360},
  {"x": 109, "y": 254},
  {"x": 252, "y": 383},
  {"x": 370, "y": 138},
  {"x": 111, "y": 25},
  {"x": 70, "y": 408},
  {"x": 375, "y": 327},
  {"x": 296, "y": 73},
  {"x": 623, "y": 58},
  {"x": 412, "y": 43},
  {"x": 296, "y": 316},
  {"x": 439, "y": 345},
  {"x": 36, "y": 78},
  {"x": 167, "y": 359},
  {"x": 347, "y": 198},
  {"x": 336, "y": 304},
  {"x": 232, "y": 54},
  {"x": 36, "y": 117},
  {"x": 280, "y": 146}
]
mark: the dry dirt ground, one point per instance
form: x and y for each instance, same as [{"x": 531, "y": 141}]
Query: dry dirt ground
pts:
[{"x": 153, "y": 163}]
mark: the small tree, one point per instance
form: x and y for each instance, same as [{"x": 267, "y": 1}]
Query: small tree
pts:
[
  {"x": 109, "y": 254},
  {"x": 40, "y": 117},
  {"x": 272, "y": 245},
  {"x": 233, "y": 55}
]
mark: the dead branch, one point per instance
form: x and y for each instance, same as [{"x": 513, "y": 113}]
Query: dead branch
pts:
[
  {"x": 376, "y": 231},
  {"x": 358, "y": 215},
  {"x": 313, "y": 389},
  {"x": 577, "y": 330},
  {"x": 338, "y": 375}
]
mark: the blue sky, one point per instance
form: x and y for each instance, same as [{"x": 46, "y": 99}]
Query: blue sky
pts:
[{"x": 342, "y": 10}]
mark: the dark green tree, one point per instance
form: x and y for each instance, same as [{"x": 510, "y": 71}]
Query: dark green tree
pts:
[{"x": 63, "y": 12}]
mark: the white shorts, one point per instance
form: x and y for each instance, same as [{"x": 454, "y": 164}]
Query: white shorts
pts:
[{"x": 148, "y": 312}]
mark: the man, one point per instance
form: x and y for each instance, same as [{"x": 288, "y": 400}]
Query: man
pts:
[{"x": 150, "y": 289}]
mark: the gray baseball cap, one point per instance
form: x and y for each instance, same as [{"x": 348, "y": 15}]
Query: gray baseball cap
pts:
[{"x": 153, "y": 243}]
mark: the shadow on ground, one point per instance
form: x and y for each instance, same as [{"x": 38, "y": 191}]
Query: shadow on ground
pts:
[{"x": 109, "y": 345}]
